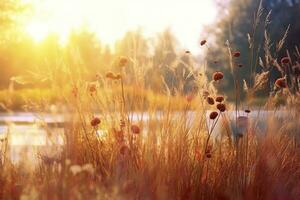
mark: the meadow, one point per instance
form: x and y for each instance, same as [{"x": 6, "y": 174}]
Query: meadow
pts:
[{"x": 126, "y": 136}]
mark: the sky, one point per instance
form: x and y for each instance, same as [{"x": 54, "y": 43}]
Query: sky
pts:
[{"x": 111, "y": 19}]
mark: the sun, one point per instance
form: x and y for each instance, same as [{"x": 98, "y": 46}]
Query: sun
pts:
[{"x": 110, "y": 20}]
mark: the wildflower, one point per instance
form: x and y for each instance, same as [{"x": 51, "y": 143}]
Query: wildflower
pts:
[
  {"x": 218, "y": 76},
  {"x": 110, "y": 75},
  {"x": 95, "y": 121},
  {"x": 281, "y": 83},
  {"x": 221, "y": 107},
  {"x": 208, "y": 155},
  {"x": 213, "y": 115},
  {"x": 135, "y": 129},
  {"x": 124, "y": 149},
  {"x": 240, "y": 65},
  {"x": 219, "y": 99},
  {"x": 210, "y": 100},
  {"x": 236, "y": 54},
  {"x": 123, "y": 61},
  {"x": 203, "y": 42},
  {"x": 247, "y": 111},
  {"x": 92, "y": 88},
  {"x": 285, "y": 60}
]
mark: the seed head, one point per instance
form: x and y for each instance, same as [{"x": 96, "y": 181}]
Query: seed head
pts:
[
  {"x": 236, "y": 54},
  {"x": 110, "y": 75},
  {"x": 203, "y": 42},
  {"x": 92, "y": 87},
  {"x": 213, "y": 115},
  {"x": 210, "y": 100},
  {"x": 123, "y": 61},
  {"x": 218, "y": 76},
  {"x": 247, "y": 111},
  {"x": 281, "y": 83},
  {"x": 135, "y": 129},
  {"x": 95, "y": 121},
  {"x": 221, "y": 107},
  {"x": 285, "y": 60},
  {"x": 219, "y": 99}
]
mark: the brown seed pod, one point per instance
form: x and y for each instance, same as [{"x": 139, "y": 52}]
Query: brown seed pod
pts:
[
  {"x": 95, "y": 121},
  {"x": 221, "y": 107},
  {"x": 110, "y": 75},
  {"x": 281, "y": 83},
  {"x": 219, "y": 99},
  {"x": 247, "y": 111},
  {"x": 135, "y": 129},
  {"x": 210, "y": 100},
  {"x": 213, "y": 115},
  {"x": 236, "y": 54},
  {"x": 203, "y": 42},
  {"x": 285, "y": 60},
  {"x": 217, "y": 76},
  {"x": 123, "y": 61}
]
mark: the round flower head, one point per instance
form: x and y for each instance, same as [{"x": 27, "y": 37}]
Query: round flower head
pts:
[
  {"x": 213, "y": 115},
  {"x": 92, "y": 88},
  {"x": 240, "y": 65},
  {"x": 210, "y": 100},
  {"x": 95, "y": 121},
  {"x": 135, "y": 129},
  {"x": 247, "y": 111},
  {"x": 236, "y": 54},
  {"x": 110, "y": 75},
  {"x": 123, "y": 61},
  {"x": 219, "y": 99},
  {"x": 285, "y": 60},
  {"x": 281, "y": 83},
  {"x": 203, "y": 42},
  {"x": 217, "y": 76},
  {"x": 221, "y": 107}
]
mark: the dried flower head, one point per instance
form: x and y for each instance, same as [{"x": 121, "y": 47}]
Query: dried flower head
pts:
[
  {"x": 221, "y": 107},
  {"x": 95, "y": 121},
  {"x": 187, "y": 52},
  {"x": 240, "y": 65},
  {"x": 203, "y": 42},
  {"x": 247, "y": 111},
  {"x": 110, "y": 75},
  {"x": 210, "y": 100},
  {"x": 281, "y": 82},
  {"x": 213, "y": 115},
  {"x": 217, "y": 76},
  {"x": 92, "y": 87},
  {"x": 124, "y": 149},
  {"x": 135, "y": 129},
  {"x": 123, "y": 61},
  {"x": 219, "y": 99},
  {"x": 236, "y": 54},
  {"x": 285, "y": 60}
]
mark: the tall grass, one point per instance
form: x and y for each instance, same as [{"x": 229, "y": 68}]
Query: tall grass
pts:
[{"x": 171, "y": 149}]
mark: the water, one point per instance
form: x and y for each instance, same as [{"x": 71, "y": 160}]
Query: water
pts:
[{"x": 29, "y": 133}]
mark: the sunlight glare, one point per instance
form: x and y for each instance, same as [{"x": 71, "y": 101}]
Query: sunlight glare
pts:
[{"x": 110, "y": 20}]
